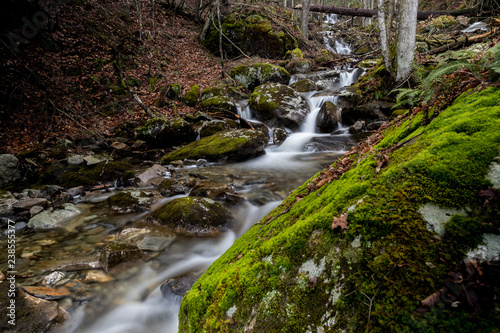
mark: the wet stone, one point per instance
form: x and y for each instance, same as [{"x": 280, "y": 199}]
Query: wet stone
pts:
[
  {"x": 180, "y": 285},
  {"x": 155, "y": 243},
  {"x": 115, "y": 254},
  {"x": 35, "y": 210},
  {"x": 97, "y": 277},
  {"x": 47, "y": 293},
  {"x": 53, "y": 278}
]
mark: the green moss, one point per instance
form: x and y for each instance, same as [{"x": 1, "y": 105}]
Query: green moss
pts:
[
  {"x": 256, "y": 74},
  {"x": 211, "y": 92},
  {"x": 294, "y": 54},
  {"x": 219, "y": 103},
  {"x": 235, "y": 144},
  {"x": 191, "y": 97},
  {"x": 174, "y": 91},
  {"x": 100, "y": 172},
  {"x": 122, "y": 199},
  {"x": 385, "y": 257}
]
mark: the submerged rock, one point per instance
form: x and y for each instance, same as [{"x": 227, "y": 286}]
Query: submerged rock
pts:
[
  {"x": 55, "y": 217},
  {"x": 233, "y": 145},
  {"x": 192, "y": 215},
  {"x": 279, "y": 105},
  {"x": 115, "y": 254}
]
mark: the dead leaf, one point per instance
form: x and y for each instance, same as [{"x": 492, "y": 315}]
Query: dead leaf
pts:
[
  {"x": 433, "y": 299},
  {"x": 340, "y": 221}
]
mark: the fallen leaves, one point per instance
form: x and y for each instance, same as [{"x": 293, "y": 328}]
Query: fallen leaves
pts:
[{"x": 340, "y": 221}]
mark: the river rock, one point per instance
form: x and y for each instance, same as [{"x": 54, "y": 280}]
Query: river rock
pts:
[
  {"x": 153, "y": 172},
  {"x": 214, "y": 126},
  {"x": 7, "y": 200},
  {"x": 129, "y": 201},
  {"x": 328, "y": 117},
  {"x": 47, "y": 293},
  {"x": 95, "y": 276},
  {"x": 254, "y": 75},
  {"x": 35, "y": 210},
  {"x": 304, "y": 85},
  {"x": 9, "y": 169},
  {"x": 220, "y": 103},
  {"x": 117, "y": 253},
  {"x": 32, "y": 314},
  {"x": 162, "y": 133},
  {"x": 356, "y": 128},
  {"x": 279, "y": 105},
  {"x": 169, "y": 187},
  {"x": 179, "y": 285},
  {"x": 210, "y": 190},
  {"x": 53, "y": 278},
  {"x": 233, "y": 145},
  {"x": 152, "y": 243},
  {"x": 279, "y": 135},
  {"x": 371, "y": 111},
  {"x": 54, "y": 217},
  {"x": 192, "y": 215},
  {"x": 26, "y": 204}
]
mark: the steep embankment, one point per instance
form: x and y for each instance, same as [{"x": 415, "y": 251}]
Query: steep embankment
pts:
[{"x": 370, "y": 271}]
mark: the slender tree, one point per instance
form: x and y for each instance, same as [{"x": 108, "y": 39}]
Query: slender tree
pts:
[{"x": 305, "y": 18}]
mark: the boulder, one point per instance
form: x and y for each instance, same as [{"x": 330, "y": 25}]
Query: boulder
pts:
[
  {"x": 179, "y": 285},
  {"x": 279, "y": 105},
  {"x": 169, "y": 187},
  {"x": 297, "y": 66},
  {"x": 213, "y": 126},
  {"x": 58, "y": 217},
  {"x": 328, "y": 117},
  {"x": 31, "y": 314},
  {"x": 210, "y": 190},
  {"x": 251, "y": 32},
  {"x": 371, "y": 111},
  {"x": 129, "y": 201},
  {"x": 220, "y": 103},
  {"x": 191, "y": 97},
  {"x": 160, "y": 132},
  {"x": 192, "y": 215},
  {"x": 9, "y": 169},
  {"x": 254, "y": 75},
  {"x": 304, "y": 85},
  {"x": 115, "y": 253},
  {"x": 233, "y": 145}
]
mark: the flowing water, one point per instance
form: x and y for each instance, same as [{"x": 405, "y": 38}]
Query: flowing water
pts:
[{"x": 136, "y": 303}]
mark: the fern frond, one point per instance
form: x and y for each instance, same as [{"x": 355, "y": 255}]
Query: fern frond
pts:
[
  {"x": 445, "y": 70},
  {"x": 407, "y": 96}
]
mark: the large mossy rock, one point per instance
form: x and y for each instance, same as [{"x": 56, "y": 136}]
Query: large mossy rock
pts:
[
  {"x": 251, "y": 33},
  {"x": 233, "y": 145},
  {"x": 254, "y": 75},
  {"x": 160, "y": 132},
  {"x": 279, "y": 105},
  {"x": 380, "y": 266},
  {"x": 192, "y": 215}
]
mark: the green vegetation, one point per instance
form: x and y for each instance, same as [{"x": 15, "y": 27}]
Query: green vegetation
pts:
[{"x": 292, "y": 273}]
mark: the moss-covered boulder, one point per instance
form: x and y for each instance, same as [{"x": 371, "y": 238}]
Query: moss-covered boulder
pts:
[
  {"x": 352, "y": 250},
  {"x": 192, "y": 215},
  {"x": 160, "y": 132},
  {"x": 174, "y": 91},
  {"x": 251, "y": 32},
  {"x": 304, "y": 85},
  {"x": 129, "y": 201},
  {"x": 299, "y": 66},
  {"x": 208, "y": 128},
  {"x": 220, "y": 103},
  {"x": 279, "y": 105},
  {"x": 170, "y": 187},
  {"x": 232, "y": 145},
  {"x": 191, "y": 97},
  {"x": 254, "y": 75}
]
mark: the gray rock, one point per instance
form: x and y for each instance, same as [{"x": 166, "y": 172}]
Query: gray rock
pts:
[
  {"x": 75, "y": 159},
  {"x": 372, "y": 111},
  {"x": 155, "y": 171},
  {"x": 179, "y": 285},
  {"x": 489, "y": 251},
  {"x": 54, "y": 218},
  {"x": 150, "y": 243},
  {"x": 75, "y": 191},
  {"x": 26, "y": 204},
  {"x": 210, "y": 190},
  {"x": 254, "y": 75},
  {"x": 115, "y": 254},
  {"x": 201, "y": 163},
  {"x": 279, "y": 135},
  {"x": 356, "y": 128},
  {"x": 94, "y": 159},
  {"x": 494, "y": 175},
  {"x": 53, "y": 278},
  {"x": 35, "y": 210},
  {"x": 169, "y": 187},
  {"x": 375, "y": 125},
  {"x": 7, "y": 200},
  {"x": 436, "y": 217},
  {"x": 328, "y": 117},
  {"x": 279, "y": 105},
  {"x": 9, "y": 169}
]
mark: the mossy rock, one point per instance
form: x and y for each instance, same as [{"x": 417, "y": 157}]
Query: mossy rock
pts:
[
  {"x": 174, "y": 92},
  {"x": 254, "y": 75},
  {"x": 214, "y": 126},
  {"x": 294, "y": 271},
  {"x": 211, "y": 92},
  {"x": 115, "y": 253},
  {"x": 192, "y": 215},
  {"x": 251, "y": 33},
  {"x": 191, "y": 97},
  {"x": 294, "y": 54},
  {"x": 220, "y": 103},
  {"x": 233, "y": 145},
  {"x": 304, "y": 85},
  {"x": 299, "y": 66},
  {"x": 170, "y": 187},
  {"x": 160, "y": 132},
  {"x": 279, "y": 105},
  {"x": 129, "y": 201}
]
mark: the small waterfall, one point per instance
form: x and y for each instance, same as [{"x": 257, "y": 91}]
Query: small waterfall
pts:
[
  {"x": 341, "y": 48},
  {"x": 244, "y": 110},
  {"x": 349, "y": 77},
  {"x": 331, "y": 19}
]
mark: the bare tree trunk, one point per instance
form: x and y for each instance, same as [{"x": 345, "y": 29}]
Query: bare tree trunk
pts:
[
  {"x": 139, "y": 15},
  {"x": 384, "y": 40},
  {"x": 305, "y": 18},
  {"x": 405, "y": 38},
  {"x": 197, "y": 5}
]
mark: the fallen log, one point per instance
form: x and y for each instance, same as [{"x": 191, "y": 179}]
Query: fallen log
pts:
[
  {"x": 373, "y": 12},
  {"x": 461, "y": 42}
]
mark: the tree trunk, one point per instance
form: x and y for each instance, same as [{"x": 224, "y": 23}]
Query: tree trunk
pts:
[
  {"x": 405, "y": 38},
  {"x": 373, "y": 12},
  {"x": 305, "y": 18}
]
